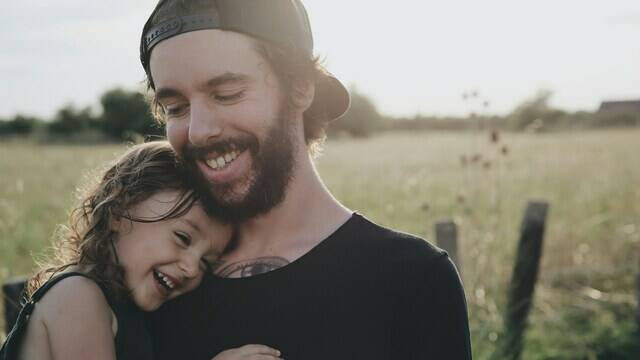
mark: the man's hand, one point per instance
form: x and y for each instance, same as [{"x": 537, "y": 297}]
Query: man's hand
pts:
[{"x": 249, "y": 352}]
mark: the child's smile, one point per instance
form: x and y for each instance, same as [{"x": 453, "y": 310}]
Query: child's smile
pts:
[
  {"x": 167, "y": 258},
  {"x": 167, "y": 283}
]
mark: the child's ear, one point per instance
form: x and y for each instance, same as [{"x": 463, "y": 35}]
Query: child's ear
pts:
[{"x": 114, "y": 223}]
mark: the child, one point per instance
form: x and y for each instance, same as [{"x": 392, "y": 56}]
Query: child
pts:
[{"x": 138, "y": 239}]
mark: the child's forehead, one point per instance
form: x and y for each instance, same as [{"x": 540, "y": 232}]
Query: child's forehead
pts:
[
  {"x": 203, "y": 224},
  {"x": 160, "y": 202},
  {"x": 197, "y": 218},
  {"x": 164, "y": 204}
]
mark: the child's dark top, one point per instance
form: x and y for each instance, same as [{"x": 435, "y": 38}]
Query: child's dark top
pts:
[{"x": 132, "y": 341}]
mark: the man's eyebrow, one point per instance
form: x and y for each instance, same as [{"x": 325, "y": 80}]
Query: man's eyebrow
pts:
[
  {"x": 165, "y": 93},
  {"x": 226, "y": 78}
]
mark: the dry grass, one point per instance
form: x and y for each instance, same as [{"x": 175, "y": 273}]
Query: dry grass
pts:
[{"x": 410, "y": 181}]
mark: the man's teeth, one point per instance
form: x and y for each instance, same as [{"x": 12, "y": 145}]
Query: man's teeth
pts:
[{"x": 222, "y": 160}]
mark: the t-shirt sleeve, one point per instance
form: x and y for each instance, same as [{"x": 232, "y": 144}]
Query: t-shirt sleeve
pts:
[{"x": 439, "y": 325}]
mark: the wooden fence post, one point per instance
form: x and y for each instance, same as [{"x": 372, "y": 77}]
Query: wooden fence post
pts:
[
  {"x": 638, "y": 302},
  {"x": 523, "y": 279},
  {"x": 12, "y": 295},
  {"x": 447, "y": 239}
]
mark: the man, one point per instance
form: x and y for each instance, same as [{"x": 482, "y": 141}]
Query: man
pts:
[{"x": 246, "y": 104}]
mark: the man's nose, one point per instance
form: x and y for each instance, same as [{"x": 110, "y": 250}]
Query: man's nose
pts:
[{"x": 204, "y": 125}]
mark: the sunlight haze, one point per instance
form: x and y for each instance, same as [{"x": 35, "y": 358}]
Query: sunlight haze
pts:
[{"x": 408, "y": 56}]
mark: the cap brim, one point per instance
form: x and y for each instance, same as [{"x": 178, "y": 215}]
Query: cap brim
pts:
[{"x": 331, "y": 96}]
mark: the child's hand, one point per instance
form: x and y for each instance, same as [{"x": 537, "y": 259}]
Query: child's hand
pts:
[{"x": 249, "y": 352}]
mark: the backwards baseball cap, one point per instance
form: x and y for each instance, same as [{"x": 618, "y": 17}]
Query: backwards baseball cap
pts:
[{"x": 282, "y": 22}]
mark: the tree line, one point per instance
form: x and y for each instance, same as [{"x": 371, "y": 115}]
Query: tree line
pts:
[{"x": 126, "y": 116}]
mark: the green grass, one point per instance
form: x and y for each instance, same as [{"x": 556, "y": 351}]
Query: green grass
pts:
[{"x": 584, "y": 301}]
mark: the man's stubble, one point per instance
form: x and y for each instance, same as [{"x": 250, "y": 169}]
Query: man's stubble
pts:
[{"x": 272, "y": 163}]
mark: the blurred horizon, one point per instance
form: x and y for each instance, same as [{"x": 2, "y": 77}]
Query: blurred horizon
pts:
[
  {"x": 411, "y": 58},
  {"x": 487, "y": 96}
]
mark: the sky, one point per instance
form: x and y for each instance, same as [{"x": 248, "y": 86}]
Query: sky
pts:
[{"x": 410, "y": 57}]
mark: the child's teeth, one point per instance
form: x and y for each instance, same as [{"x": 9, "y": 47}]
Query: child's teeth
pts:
[
  {"x": 221, "y": 161},
  {"x": 212, "y": 163},
  {"x": 227, "y": 157},
  {"x": 167, "y": 281}
]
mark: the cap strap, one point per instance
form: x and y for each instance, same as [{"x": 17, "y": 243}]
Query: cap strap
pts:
[{"x": 179, "y": 25}]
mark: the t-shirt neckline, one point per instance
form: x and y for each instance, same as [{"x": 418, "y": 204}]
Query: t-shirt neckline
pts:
[{"x": 303, "y": 258}]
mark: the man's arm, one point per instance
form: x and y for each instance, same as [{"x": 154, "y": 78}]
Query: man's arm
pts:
[{"x": 439, "y": 325}]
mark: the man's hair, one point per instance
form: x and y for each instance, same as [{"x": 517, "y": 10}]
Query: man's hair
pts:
[{"x": 292, "y": 68}]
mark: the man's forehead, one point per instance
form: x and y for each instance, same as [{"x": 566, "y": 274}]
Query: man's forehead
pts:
[{"x": 208, "y": 55}]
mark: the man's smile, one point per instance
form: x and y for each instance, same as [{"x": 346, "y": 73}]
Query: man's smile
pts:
[
  {"x": 219, "y": 161},
  {"x": 223, "y": 168}
]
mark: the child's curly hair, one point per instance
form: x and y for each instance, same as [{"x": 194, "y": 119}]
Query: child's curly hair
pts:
[{"x": 88, "y": 241}]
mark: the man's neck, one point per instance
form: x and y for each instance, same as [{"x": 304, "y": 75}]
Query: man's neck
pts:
[{"x": 307, "y": 215}]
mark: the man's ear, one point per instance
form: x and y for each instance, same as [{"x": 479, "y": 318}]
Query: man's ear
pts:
[{"x": 303, "y": 94}]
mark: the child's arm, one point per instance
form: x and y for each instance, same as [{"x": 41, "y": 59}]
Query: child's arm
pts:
[
  {"x": 78, "y": 320},
  {"x": 249, "y": 352}
]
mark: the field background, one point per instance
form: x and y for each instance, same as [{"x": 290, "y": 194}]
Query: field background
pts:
[{"x": 585, "y": 301}]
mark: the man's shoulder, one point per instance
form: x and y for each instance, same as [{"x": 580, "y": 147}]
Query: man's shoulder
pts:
[{"x": 392, "y": 244}]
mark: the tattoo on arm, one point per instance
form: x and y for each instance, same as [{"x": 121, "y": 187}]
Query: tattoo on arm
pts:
[{"x": 251, "y": 267}]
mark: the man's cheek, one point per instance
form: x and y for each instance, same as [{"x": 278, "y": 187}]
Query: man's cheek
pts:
[{"x": 178, "y": 135}]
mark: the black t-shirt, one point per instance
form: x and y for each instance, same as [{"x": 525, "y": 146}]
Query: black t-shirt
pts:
[{"x": 365, "y": 292}]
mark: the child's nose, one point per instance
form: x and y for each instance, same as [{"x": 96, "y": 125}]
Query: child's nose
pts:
[{"x": 190, "y": 266}]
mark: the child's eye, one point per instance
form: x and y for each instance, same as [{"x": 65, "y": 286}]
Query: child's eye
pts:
[
  {"x": 185, "y": 239},
  {"x": 205, "y": 265}
]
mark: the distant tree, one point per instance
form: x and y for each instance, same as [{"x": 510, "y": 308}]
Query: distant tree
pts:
[
  {"x": 126, "y": 114},
  {"x": 361, "y": 119},
  {"x": 535, "y": 110},
  {"x": 70, "y": 120},
  {"x": 19, "y": 125}
]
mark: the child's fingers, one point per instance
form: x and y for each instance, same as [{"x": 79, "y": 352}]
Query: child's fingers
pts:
[
  {"x": 249, "y": 352},
  {"x": 257, "y": 349}
]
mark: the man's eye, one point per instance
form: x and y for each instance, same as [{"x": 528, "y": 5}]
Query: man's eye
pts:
[
  {"x": 185, "y": 239},
  {"x": 174, "y": 110},
  {"x": 229, "y": 98}
]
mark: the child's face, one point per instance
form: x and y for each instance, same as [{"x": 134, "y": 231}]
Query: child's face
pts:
[{"x": 165, "y": 259}]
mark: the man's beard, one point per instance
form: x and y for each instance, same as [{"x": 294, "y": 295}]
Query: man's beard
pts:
[{"x": 272, "y": 164}]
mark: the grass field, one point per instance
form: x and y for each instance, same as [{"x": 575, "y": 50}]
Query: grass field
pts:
[{"x": 585, "y": 298}]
